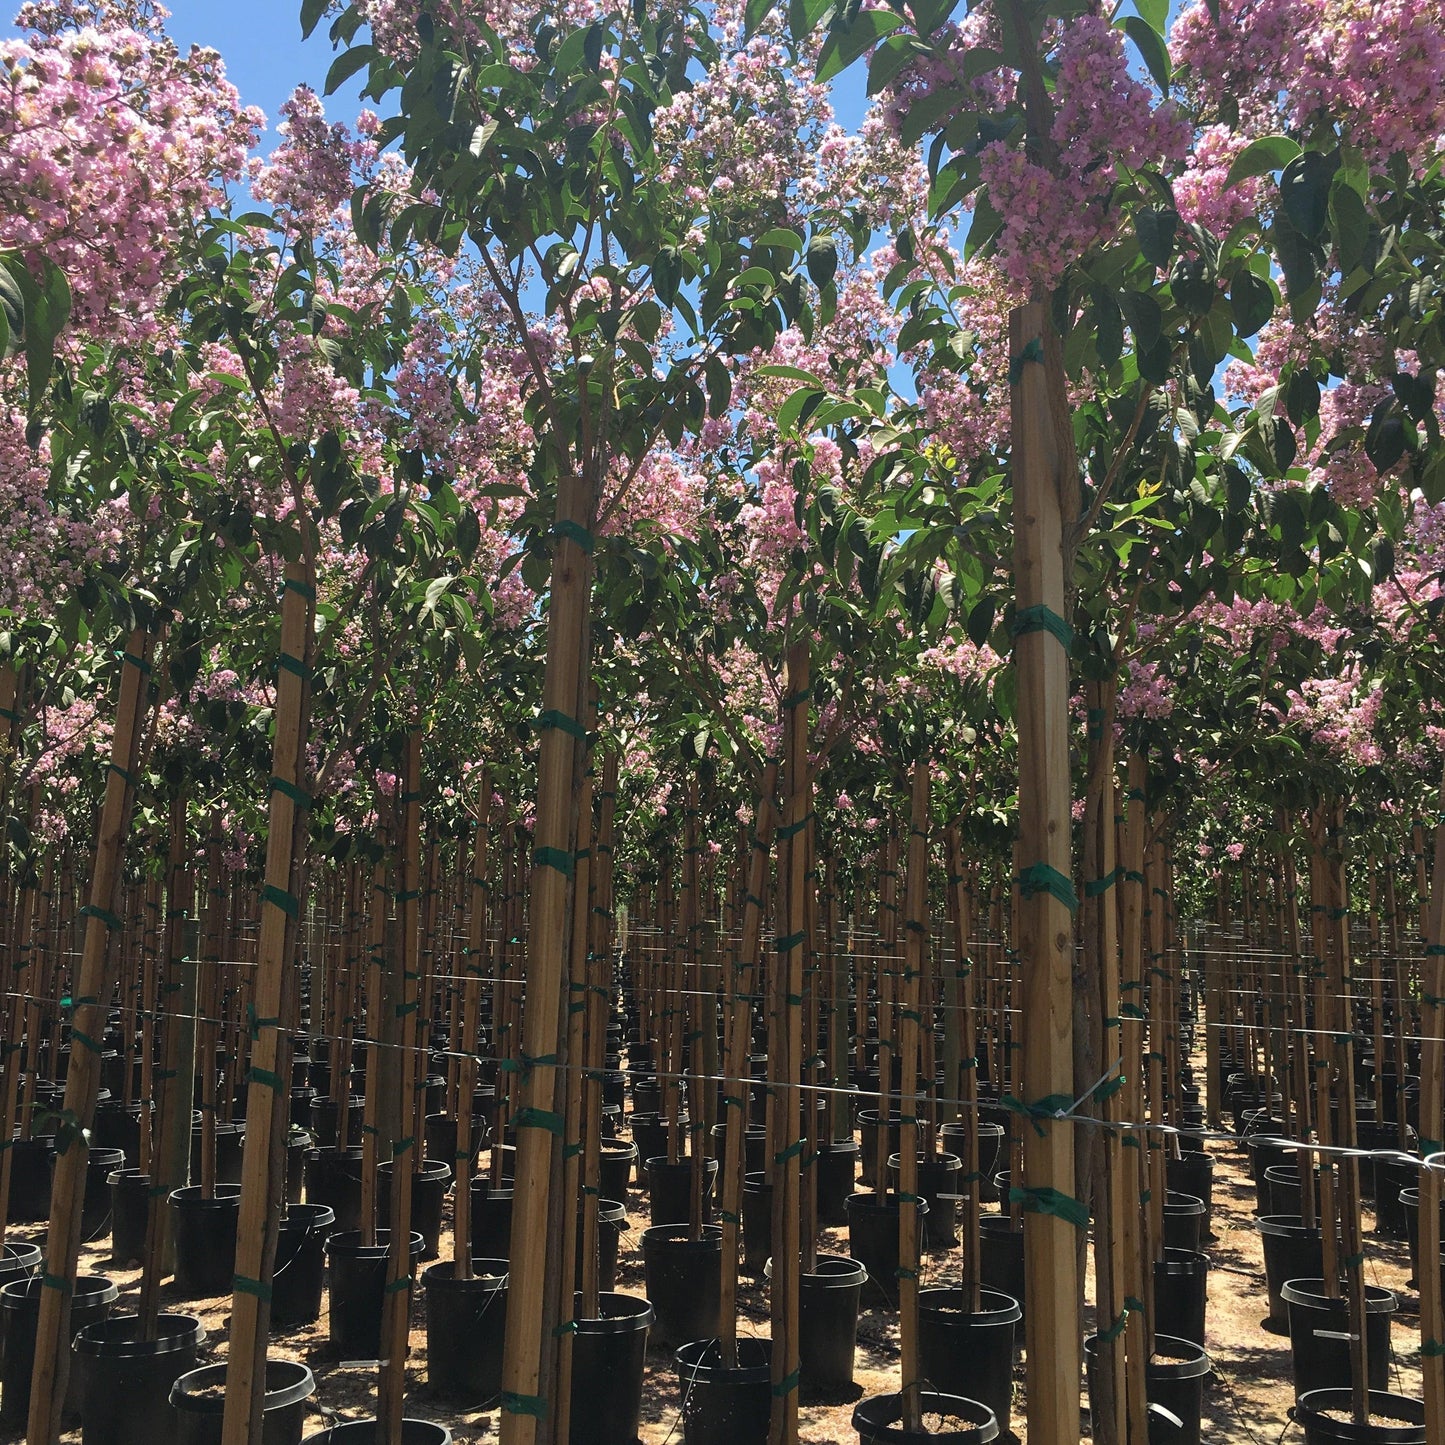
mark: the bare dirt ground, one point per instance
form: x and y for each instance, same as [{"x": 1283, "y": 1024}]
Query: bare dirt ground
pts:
[{"x": 1246, "y": 1400}]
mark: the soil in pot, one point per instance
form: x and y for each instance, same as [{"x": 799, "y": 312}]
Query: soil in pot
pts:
[
  {"x": 946, "y": 1418},
  {"x": 1327, "y": 1417}
]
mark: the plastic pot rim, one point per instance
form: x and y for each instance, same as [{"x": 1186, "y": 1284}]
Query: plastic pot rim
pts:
[
  {"x": 174, "y": 1333},
  {"x": 630, "y": 1314},
  {"x": 370, "y": 1430},
  {"x": 341, "y": 1242},
  {"x": 1378, "y": 1299},
  {"x": 1279, "y": 1226},
  {"x": 987, "y": 1428},
  {"x": 224, "y": 1196},
  {"x": 693, "y": 1366},
  {"x": 15, "y": 1294},
  {"x": 430, "y": 1169},
  {"x": 1009, "y": 1313},
  {"x": 1313, "y": 1404},
  {"x": 291, "y": 1393},
  {"x": 296, "y": 1217},
  {"x": 679, "y": 1235},
  {"x": 488, "y": 1281}
]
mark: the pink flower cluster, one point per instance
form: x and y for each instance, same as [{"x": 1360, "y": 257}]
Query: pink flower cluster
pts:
[
  {"x": 110, "y": 140},
  {"x": 1374, "y": 68},
  {"x": 314, "y": 169},
  {"x": 1103, "y": 119}
]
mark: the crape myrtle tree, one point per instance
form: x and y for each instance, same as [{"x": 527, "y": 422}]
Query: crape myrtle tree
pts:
[
  {"x": 625, "y": 178},
  {"x": 1159, "y": 237}
]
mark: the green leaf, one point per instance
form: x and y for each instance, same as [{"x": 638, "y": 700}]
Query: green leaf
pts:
[
  {"x": 847, "y": 40},
  {"x": 821, "y": 259},
  {"x": 1305, "y": 190},
  {"x": 469, "y": 533},
  {"x": 1385, "y": 437},
  {"x": 1251, "y": 299},
  {"x": 312, "y": 13},
  {"x": 1156, "y": 226},
  {"x": 1262, "y": 157},
  {"x": 46, "y": 312},
  {"x": 1152, "y": 47},
  {"x": 346, "y": 65},
  {"x": 1351, "y": 223}
]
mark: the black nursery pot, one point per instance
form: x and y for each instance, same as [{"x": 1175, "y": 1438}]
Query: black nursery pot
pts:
[
  {"x": 358, "y": 1285},
  {"x": 837, "y": 1166},
  {"x": 757, "y": 1222},
  {"x": 611, "y": 1224},
  {"x": 205, "y": 1236},
  {"x": 1392, "y": 1177},
  {"x": 333, "y": 1178},
  {"x": 130, "y": 1196},
  {"x": 873, "y": 1241},
  {"x": 18, "y": 1261},
  {"x": 938, "y": 1177},
  {"x": 125, "y": 1381},
  {"x": 1319, "y": 1327},
  {"x": 722, "y": 1406},
  {"x": 670, "y": 1190},
  {"x": 1001, "y": 1257},
  {"x": 365, "y": 1432},
  {"x": 90, "y": 1301},
  {"x": 95, "y": 1212},
  {"x": 828, "y": 1301},
  {"x": 29, "y": 1201},
  {"x": 609, "y": 1354},
  {"x": 1174, "y": 1380},
  {"x": 491, "y": 1219},
  {"x": 879, "y": 1421},
  {"x": 1410, "y": 1205},
  {"x": 300, "y": 1265},
  {"x": 1290, "y": 1252},
  {"x": 969, "y": 1352},
  {"x": 200, "y": 1403},
  {"x": 1193, "y": 1173},
  {"x": 683, "y": 1278},
  {"x": 1183, "y": 1221},
  {"x": 614, "y": 1169},
  {"x": 466, "y": 1321},
  {"x": 429, "y": 1186},
  {"x": 1327, "y": 1419},
  {"x": 1181, "y": 1294}
]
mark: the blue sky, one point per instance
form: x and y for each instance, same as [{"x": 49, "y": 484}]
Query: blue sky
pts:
[{"x": 260, "y": 41}]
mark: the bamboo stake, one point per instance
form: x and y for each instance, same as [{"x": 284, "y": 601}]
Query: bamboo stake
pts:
[
  {"x": 91, "y": 997},
  {"x": 738, "y": 1029},
  {"x": 1139, "y": 1329},
  {"x": 960, "y": 996},
  {"x": 405, "y": 1151},
  {"x": 262, "y": 1184},
  {"x": 471, "y": 994},
  {"x": 1432, "y": 1112},
  {"x": 787, "y": 1044},
  {"x": 915, "y": 943}
]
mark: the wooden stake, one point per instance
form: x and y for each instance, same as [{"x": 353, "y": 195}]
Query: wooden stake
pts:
[
  {"x": 82, "y": 1083},
  {"x": 1043, "y": 472},
  {"x": 262, "y": 1185}
]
